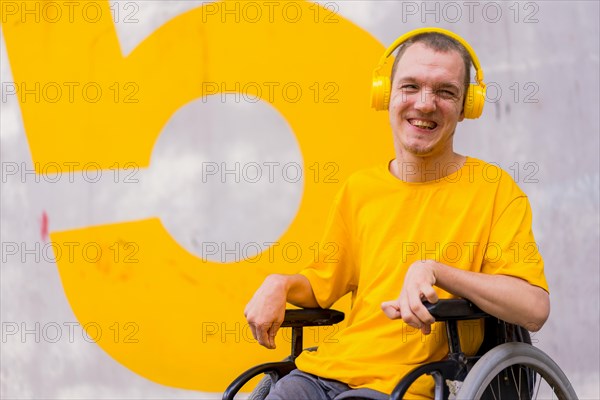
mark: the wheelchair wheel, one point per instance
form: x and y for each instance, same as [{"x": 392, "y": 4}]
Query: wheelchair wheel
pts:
[
  {"x": 262, "y": 389},
  {"x": 516, "y": 371}
]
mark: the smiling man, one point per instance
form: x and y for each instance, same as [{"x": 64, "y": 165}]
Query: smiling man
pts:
[
  {"x": 425, "y": 107},
  {"x": 429, "y": 224}
]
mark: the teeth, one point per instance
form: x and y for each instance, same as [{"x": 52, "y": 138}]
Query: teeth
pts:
[{"x": 423, "y": 124}]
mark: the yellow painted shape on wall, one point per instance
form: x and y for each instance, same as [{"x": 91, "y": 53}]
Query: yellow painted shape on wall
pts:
[{"x": 164, "y": 313}]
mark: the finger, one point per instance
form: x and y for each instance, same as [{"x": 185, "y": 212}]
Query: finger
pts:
[
  {"x": 407, "y": 315},
  {"x": 420, "y": 312},
  {"x": 410, "y": 317},
  {"x": 429, "y": 294},
  {"x": 391, "y": 309},
  {"x": 426, "y": 329},
  {"x": 262, "y": 335},
  {"x": 272, "y": 333},
  {"x": 253, "y": 330}
]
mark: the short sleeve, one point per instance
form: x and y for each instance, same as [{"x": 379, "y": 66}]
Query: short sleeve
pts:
[
  {"x": 512, "y": 249},
  {"x": 334, "y": 273}
]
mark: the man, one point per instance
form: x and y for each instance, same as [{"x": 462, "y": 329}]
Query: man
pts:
[{"x": 429, "y": 224}]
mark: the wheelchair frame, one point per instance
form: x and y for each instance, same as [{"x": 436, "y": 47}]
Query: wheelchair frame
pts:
[{"x": 504, "y": 346}]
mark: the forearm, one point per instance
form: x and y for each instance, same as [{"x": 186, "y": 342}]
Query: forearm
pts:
[
  {"x": 297, "y": 288},
  {"x": 508, "y": 298},
  {"x": 266, "y": 310}
]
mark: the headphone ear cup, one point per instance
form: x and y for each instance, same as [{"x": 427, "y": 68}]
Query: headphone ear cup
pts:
[
  {"x": 380, "y": 93},
  {"x": 474, "y": 101}
]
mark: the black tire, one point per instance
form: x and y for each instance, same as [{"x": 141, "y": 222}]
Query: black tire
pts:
[
  {"x": 510, "y": 356},
  {"x": 262, "y": 389}
]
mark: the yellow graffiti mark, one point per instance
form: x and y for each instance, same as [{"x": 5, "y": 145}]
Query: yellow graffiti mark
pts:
[{"x": 179, "y": 319}]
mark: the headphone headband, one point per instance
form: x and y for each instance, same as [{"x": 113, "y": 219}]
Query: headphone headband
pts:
[{"x": 413, "y": 33}]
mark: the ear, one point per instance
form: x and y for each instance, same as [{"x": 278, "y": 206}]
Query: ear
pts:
[{"x": 462, "y": 115}]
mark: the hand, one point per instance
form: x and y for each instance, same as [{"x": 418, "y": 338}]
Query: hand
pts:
[
  {"x": 418, "y": 286},
  {"x": 266, "y": 310}
]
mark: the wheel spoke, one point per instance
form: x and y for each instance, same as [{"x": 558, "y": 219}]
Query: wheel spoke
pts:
[
  {"x": 512, "y": 371},
  {"x": 538, "y": 384}
]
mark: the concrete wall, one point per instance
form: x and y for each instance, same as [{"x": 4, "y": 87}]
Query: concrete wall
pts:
[{"x": 542, "y": 125}]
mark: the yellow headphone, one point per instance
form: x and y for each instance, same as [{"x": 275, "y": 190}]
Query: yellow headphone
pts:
[{"x": 475, "y": 98}]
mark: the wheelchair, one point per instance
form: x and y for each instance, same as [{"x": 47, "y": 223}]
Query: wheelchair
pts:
[{"x": 506, "y": 366}]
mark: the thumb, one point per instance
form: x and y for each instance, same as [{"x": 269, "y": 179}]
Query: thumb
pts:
[{"x": 391, "y": 309}]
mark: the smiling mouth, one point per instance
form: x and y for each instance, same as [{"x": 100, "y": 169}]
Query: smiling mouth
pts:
[{"x": 423, "y": 124}]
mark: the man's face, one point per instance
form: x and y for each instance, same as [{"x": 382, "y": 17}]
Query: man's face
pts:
[{"x": 426, "y": 100}]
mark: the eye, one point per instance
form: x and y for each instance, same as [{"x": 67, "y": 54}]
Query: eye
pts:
[
  {"x": 447, "y": 94},
  {"x": 408, "y": 87}
]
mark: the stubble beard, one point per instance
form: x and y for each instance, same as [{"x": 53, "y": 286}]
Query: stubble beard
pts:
[{"x": 422, "y": 150}]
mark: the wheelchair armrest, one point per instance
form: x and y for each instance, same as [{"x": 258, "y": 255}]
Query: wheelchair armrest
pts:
[
  {"x": 311, "y": 317},
  {"x": 454, "y": 309},
  {"x": 297, "y": 319}
]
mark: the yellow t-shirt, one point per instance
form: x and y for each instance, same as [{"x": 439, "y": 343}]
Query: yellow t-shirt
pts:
[{"x": 476, "y": 219}]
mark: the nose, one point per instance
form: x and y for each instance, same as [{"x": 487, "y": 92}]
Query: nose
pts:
[{"x": 425, "y": 101}]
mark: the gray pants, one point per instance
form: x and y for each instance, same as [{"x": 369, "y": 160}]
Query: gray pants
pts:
[{"x": 298, "y": 385}]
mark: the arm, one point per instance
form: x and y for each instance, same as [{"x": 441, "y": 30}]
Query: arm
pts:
[
  {"x": 266, "y": 309},
  {"x": 333, "y": 275},
  {"x": 508, "y": 298}
]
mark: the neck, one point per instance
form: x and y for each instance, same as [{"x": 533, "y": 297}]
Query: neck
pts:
[{"x": 412, "y": 168}]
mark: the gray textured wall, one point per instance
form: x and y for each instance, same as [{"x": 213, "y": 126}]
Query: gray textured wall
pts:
[{"x": 547, "y": 132}]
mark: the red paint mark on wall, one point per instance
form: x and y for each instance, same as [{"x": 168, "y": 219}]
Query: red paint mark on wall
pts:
[{"x": 44, "y": 227}]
